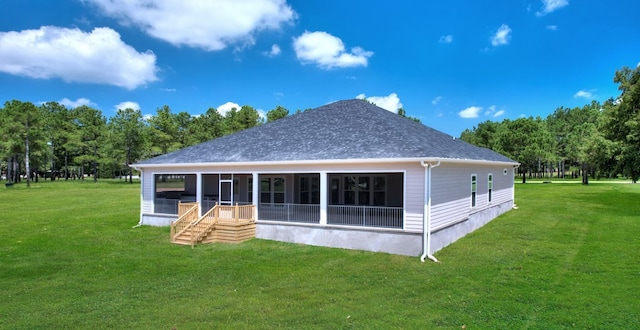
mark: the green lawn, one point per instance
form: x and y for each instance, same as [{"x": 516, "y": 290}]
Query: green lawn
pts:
[{"x": 569, "y": 257}]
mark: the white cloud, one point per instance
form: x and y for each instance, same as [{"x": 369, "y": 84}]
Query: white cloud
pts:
[
  {"x": 167, "y": 89},
  {"x": 74, "y": 104},
  {"x": 549, "y": 6},
  {"x": 262, "y": 114},
  {"x": 127, "y": 105},
  {"x": 328, "y": 51},
  {"x": 390, "y": 102},
  {"x": 638, "y": 66},
  {"x": 436, "y": 100},
  {"x": 223, "y": 109},
  {"x": 275, "y": 51},
  {"x": 552, "y": 27},
  {"x": 502, "y": 36},
  {"x": 494, "y": 112},
  {"x": 446, "y": 39},
  {"x": 583, "y": 94},
  {"x": 207, "y": 24},
  {"x": 99, "y": 57},
  {"x": 470, "y": 112}
]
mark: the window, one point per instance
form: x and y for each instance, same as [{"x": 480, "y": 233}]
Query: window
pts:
[
  {"x": 360, "y": 190},
  {"x": 474, "y": 189},
  {"x": 170, "y": 189},
  {"x": 490, "y": 187},
  {"x": 335, "y": 191},
  {"x": 310, "y": 189},
  {"x": 272, "y": 190},
  {"x": 379, "y": 191}
]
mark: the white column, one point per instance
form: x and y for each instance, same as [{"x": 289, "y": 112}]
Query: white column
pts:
[
  {"x": 199, "y": 192},
  {"x": 255, "y": 187},
  {"x": 324, "y": 193}
]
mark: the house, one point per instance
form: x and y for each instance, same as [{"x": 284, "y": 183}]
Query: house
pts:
[{"x": 348, "y": 174}]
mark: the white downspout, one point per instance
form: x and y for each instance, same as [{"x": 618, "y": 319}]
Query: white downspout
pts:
[
  {"x": 141, "y": 199},
  {"x": 426, "y": 213}
]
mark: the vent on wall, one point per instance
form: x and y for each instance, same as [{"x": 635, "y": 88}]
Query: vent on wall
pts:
[{"x": 505, "y": 171}]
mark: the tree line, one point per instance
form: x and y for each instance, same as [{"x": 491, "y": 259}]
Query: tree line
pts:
[
  {"x": 51, "y": 140},
  {"x": 57, "y": 142},
  {"x": 596, "y": 140}
]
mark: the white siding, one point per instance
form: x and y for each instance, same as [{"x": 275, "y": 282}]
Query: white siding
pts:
[
  {"x": 148, "y": 192},
  {"x": 451, "y": 187},
  {"x": 414, "y": 197}
]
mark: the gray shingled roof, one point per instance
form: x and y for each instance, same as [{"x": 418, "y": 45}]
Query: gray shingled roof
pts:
[{"x": 344, "y": 130}]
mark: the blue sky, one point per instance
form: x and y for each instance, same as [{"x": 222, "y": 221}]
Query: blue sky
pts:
[{"x": 452, "y": 64}]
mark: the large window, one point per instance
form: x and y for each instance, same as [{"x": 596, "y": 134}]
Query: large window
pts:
[
  {"x": 272, "y": 190},
  {"x": 170, "y": 189},
  {"x": 359, "y": 190},
  {"x": 474, "y": 189},
  {"x": 310, "y": 189}
]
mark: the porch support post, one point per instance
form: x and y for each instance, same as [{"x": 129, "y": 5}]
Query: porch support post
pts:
[
  {"x": 199, "y": 192},
  {"x": 324, "y": 193},
  {"x": 255, "y": 190}
]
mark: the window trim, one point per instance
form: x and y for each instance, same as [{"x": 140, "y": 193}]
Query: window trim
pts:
[
  {"x": 474, "y": 190},
  {"x": 490, "y": 188}
]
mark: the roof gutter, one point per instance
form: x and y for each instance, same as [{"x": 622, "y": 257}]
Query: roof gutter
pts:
[
  {"x": 426, "y": 214},
  {"x": 327, "y": 161}
]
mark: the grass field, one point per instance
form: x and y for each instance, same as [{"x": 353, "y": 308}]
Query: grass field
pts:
[{"x": 569, "y": 257}]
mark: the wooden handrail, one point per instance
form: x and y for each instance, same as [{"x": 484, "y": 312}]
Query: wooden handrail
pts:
[
  {"x": 188, "y": 213},
  {"x": 210, "y": 218}
]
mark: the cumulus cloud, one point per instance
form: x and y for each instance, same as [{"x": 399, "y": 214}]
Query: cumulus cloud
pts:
[
  {"x": 470, "y": 112},
  {"x": 436, "y": 100},
  {"x": 328, "y": 51},
  {"x": 446, "y": 39},
  {"x": 583, "y": 94},
  {"x": 223, "y": 109},
  {"x": 390, "y": 102},
  {"x": 275, "y": 51},
  {"x": 552, "y": 27},
  {"x": 78, "y": 102},
  {"x": 127, "y": 105},
  {"x": 502, "y": 36},
  {"x": 549, "y": 6},
  {"x": 99, "y": 57},
  {"x": 493, "y": 111},
  {"x": 207, "y": 24},
  {"x": 262, "y": 114}
]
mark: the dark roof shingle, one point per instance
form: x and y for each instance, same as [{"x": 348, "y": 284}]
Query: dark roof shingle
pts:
[{"x": 344, "y": 130}]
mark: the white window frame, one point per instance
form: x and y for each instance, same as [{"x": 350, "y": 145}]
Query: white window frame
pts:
[
  {"x": 490, "y": 187},
  {"x": 474, "y": 190}
]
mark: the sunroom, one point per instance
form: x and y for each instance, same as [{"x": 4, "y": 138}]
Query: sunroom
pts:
[{"x": 345, "y": 199}]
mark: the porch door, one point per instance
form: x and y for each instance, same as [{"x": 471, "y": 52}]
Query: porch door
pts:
[{"x": 226, "y": 189}]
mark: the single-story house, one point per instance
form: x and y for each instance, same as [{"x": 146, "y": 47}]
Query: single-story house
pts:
[{"x": 347, "y": 174}]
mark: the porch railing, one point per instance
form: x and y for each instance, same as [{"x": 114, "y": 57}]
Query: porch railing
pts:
[
  {"x": 306, "y": 213},
  {"x": 220, "y": 213},
  {"x": 366, "y": 216},
  {"x": 188, "y": 215}
]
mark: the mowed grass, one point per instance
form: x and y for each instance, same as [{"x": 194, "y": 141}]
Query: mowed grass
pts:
[{"x": 569, "y": 257}]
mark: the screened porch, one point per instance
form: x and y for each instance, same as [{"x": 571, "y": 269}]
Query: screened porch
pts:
[{"x": 352, "y": 199}]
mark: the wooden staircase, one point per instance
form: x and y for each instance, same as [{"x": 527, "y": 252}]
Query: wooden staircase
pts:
[{"x": 229, "y": 224}]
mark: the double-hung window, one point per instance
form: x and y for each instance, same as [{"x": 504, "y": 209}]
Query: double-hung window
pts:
[
  {"x": 474, "y": 189},
  {"x": 490, "y": 187}
]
